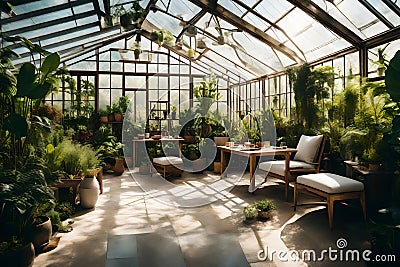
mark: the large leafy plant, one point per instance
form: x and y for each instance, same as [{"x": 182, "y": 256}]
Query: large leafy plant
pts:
[
  {"x": 23, "y": 89},
  {"x": 391, "y": 139},
  {"x": 19, "y": 194}
]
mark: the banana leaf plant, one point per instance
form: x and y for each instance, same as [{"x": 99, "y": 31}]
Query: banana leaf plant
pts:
[{"x": 21, "y": 89}]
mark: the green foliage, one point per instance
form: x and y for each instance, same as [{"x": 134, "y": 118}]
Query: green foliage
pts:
[
  {"x": 311, "y": 87},
  {"x": 20, "y": 91},
  {"x": 20, "y": 193},
  {"x": 136, "y": 12},
  {"x": 265, "y": 205},
  {"x": 110, "y": 149},
  {"x": 72, "y": 158},
  {"x": 65, "y": 209},
  {"x": 250, "y": 212},
  {"x": 390, "y": 147},
  {"x": 123, "y": 103},
  {"x": 162, "y": 37}
]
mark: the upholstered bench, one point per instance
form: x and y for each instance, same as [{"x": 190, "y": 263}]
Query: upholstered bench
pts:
[
  {"x": 168, "y": 166},
  {"x": 332, "y": 187}
]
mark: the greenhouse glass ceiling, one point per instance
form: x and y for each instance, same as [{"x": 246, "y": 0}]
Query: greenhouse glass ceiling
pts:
[{"x": 253, "y": 37}]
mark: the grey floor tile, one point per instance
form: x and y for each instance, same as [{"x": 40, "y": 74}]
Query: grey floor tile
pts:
[
  {"x": 121, "y": 246},
  {"x": 126, "y": 262}
]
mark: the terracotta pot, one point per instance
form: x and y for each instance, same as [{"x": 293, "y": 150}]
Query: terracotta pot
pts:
[
  {"x": 118, "y": 117},
  {"x": 89, "y": 192},
  {"x": 110, "y": 118},
  {"x": 119, "y": 166},
  {"x": 265, "y": 214},
  {"x": 22, "y": 257},
  {"x": 41, "y": 233},
  {"x": 104, "y": 119}
]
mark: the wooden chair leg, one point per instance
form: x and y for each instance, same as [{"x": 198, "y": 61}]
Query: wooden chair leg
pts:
[
  {"x": 295, "y": 197},
  {"x": 287, "y": 191},
  {"x": 362, "y": 200},
  {"x": 330, "y": 202}
]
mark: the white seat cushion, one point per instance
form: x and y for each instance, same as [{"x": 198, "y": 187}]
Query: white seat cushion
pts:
[
  {"x": 278, "y": 166},
  {"x": 170, "y": 160},
  {"x": 330, "y": 183},
  {"x": 307, "y": 148}
]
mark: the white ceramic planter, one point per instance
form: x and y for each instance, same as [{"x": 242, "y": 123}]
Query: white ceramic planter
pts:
[{"x": 89, "y": 192}]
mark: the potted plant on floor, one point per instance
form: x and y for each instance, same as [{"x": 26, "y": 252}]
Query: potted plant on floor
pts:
[
  {"x": 265, "y": 208},
  {"x": 20, "y": 193},
  {"x": 250, "y": 212}
]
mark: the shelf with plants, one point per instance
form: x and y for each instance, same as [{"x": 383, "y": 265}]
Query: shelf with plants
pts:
[{"x": 159, "y": 110}]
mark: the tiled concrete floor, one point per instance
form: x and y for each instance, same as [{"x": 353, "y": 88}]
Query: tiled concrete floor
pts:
[{"x": 128, "y": 224}]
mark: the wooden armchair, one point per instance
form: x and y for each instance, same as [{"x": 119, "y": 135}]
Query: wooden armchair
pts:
[{"x": 306, "y": 160}]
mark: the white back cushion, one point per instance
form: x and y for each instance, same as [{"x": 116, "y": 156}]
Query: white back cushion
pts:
[{"x": 307, "y": 148}]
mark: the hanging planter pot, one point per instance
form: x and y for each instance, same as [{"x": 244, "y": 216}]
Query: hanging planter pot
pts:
[{"x": 126, "y": 22}]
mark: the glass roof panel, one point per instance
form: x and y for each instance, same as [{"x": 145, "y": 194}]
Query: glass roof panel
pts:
[
  {"x": 86, "y": 20},
  {"x": 309, "y": 35},
  {"x": 101, "y": 5},
  {"x": 359, "y": 16},
  {"x": 164, "y": 21},
  {"x": 83, "y": 8},
  {"x": 50, "y": 29},
  {"x": 184, "y": 9},
  {"x": 68, "y": 36},
  {"x": 273, "y": 9},
  {"x": 256, "y": 21},
  {"x": 339, "y": 16},
  {"x": 37, "y": 5},
  {"x": 386, "y": 11},
  {"x": 262, "y": 54},
  {"x": 232, "y": 7},
  {"x": 250, "y": 3}
]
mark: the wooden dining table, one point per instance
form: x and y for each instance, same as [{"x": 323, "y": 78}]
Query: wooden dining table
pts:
[{"x": 253, "y": 154}]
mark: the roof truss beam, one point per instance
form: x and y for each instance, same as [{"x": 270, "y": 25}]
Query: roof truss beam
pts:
[
  {"x": 217, "y": 10},
  {"x": 327, "y": 20},
  {"x": 376, "y": 13}
]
